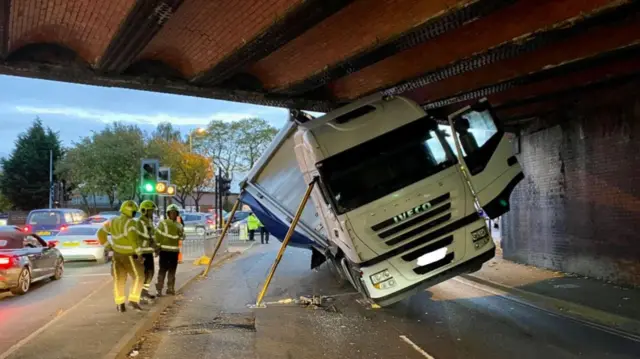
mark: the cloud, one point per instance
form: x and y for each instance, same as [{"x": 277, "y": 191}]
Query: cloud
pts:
[{"x": 110, "y": 116}]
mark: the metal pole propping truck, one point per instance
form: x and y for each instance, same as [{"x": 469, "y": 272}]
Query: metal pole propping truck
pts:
[{"x": 398, "y": 194}]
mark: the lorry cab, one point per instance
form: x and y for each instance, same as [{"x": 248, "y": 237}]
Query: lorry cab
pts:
[{"x": 400, "y": 195}]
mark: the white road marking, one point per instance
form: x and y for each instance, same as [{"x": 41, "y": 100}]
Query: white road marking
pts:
[
  {"x": 415, "y": 346},
  {"x": 27, "y": 339}
]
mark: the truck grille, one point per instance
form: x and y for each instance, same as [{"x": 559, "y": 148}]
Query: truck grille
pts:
[{"x": 418, "y": 224}]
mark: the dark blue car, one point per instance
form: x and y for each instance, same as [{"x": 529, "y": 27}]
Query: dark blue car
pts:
[{"x": 49, "y": 222}]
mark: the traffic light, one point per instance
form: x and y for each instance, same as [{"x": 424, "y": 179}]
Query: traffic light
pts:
[
  {"x": 171, "y": 190},
  {"x": 164, "y": 174},
  {"x": 225, "y": 185},
  {"x": 161, "y": 187},
  {"x": 149, "y": 176}
]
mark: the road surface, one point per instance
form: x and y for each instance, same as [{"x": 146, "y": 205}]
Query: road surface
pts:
[
  {"x": 22, "y": 315},
  {"x": 452, "y": 320}
]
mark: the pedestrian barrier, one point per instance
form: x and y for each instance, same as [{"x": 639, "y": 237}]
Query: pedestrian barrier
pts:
[{"x": 235, "y": 236}]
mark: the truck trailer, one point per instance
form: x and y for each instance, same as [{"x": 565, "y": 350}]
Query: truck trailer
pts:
[{"x": 400, "y": 197}]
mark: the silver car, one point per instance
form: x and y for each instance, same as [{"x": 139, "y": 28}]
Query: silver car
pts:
[
  {"x": 197, "y": 223},
  {"x": 81, "y": 243}
]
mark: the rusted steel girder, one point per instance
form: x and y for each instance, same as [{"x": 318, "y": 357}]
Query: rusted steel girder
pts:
[
  {"x": 5, "y": 7},
  {"x": 489, "y": 39},
  {"x": 136, "y": 31},
  {"x": 559, "y": 103},
  {"x": 447, "y": 20},
  {"x": 591, "y": 42}
]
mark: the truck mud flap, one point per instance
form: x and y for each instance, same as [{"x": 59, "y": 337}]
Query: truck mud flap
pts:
[{"x": 317, "y": 258}]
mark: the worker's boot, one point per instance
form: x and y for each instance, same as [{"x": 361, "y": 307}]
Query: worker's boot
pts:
[
  {"x": 171, "y": 291},
  {"x": 121, "y": 308},
  {"x": 135, "y": 306},
  {"x": 145, "y": 294}
]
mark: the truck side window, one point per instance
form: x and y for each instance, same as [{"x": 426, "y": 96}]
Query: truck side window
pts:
[{"x": 479, "y": 136}]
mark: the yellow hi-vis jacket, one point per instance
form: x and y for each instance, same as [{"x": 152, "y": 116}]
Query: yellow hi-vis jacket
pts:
[
  {"x": 168, "y": 235},
  {"x": 124, "y": 235},
  {"x": 145, "y": 232},
  {"x": 253, "y": 222}
]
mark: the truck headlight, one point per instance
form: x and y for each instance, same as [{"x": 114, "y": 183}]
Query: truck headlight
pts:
[
  {"x": 480, "y": 237},
  {"x": 382, "y": 280}
]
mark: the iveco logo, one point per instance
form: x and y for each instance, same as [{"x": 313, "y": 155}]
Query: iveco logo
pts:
[{"x": 419, "y": 209}]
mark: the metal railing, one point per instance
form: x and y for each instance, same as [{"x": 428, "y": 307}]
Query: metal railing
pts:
[{"x": 195, "y": 246}]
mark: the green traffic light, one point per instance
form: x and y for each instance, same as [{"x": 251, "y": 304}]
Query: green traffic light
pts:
[{"x": 148, "y": 187}]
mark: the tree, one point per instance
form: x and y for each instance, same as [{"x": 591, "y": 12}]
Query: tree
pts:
[
  {"x": 190, "y": 172},
  {"x": 106, "y": 163},
  {"x": 25, "y": 182},
  {"x": 166, "y": 132},
  {"x": 5, "y": 204},
  {"x": 236, "y": 146},
  {"x": 255, "y": 135},
  {"x": 76, "y": 169}
]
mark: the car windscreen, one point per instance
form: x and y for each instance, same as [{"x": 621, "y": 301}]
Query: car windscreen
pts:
[
  {"x": 385, "y": 164},
  {"x": 79, "y": 231},
  {"x": 10, "y": 242},
  {"x": 44, "y": 218},
  {"x": 191, "y": 218}
]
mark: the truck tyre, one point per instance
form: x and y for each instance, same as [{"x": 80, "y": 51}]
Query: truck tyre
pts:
[
  {"x": 355, "y": 281},
  {"x": 24, "y": 282}
]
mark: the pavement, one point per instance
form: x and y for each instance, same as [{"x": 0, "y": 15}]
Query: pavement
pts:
[
  {"x": 460, "y": 318},
  {"x": 76, "y": 317}
]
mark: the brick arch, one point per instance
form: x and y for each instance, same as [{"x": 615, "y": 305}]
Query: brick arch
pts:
[
  {"x": 48, "y": 53},
  {"x": 53, "y": 34},
  {"x": 155, "y": 69},
  {"x": 170, "y": 57}
]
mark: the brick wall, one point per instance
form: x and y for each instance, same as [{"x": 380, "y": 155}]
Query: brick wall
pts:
[{"x": 578, "y": 210}]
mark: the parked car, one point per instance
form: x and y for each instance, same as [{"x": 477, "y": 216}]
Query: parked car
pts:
[
  {"x": 81, "y": 243},
  {"x": 26, "y": 258},
  {"x": 48, "y": 222},
  {"x": 99, "y": 218},
  {"x": 198, "y": 223},
  {"x": 10, "y": 229}
]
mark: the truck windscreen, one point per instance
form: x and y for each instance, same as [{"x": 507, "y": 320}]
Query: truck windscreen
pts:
[{"x": 385, "y": 164}]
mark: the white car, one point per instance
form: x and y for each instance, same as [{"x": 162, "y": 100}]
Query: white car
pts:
[{"x": 81, "y": 243}]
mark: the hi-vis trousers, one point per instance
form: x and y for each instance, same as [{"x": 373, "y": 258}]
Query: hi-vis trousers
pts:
[{"x": 123, "y": 266}]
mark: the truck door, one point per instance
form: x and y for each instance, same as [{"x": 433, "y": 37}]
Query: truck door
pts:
[{"x": 490, "y": 165}]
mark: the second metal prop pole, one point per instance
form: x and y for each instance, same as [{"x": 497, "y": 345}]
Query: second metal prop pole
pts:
[
  {"x": 286, "y": 239},
  {"x": 222, "y": 235}
]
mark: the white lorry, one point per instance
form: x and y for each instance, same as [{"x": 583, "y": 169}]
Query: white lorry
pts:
[{"x": 398, "y": 199}]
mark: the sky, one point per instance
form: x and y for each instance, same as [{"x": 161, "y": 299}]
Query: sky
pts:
[{"x": 75, "y": 110}]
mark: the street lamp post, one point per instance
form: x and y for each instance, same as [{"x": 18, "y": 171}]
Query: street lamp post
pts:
[
  {"x": 50, "y": 178},
  {"x": 199, "y": 130}
]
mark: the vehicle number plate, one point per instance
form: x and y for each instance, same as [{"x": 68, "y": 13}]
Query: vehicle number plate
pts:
[
  {"x": 44, "y": 233},
  {"x": 71, "y": 244}
]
